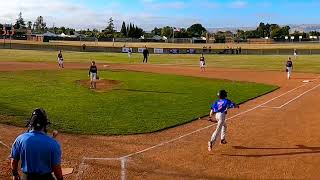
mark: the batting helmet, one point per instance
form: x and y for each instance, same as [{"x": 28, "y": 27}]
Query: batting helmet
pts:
[
  {"x": 39, "y": 119},
  {"x": 222, "y": 94}
]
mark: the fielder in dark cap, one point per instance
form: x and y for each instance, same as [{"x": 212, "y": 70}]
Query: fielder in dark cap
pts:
[
  {"x": 220, "y": 108},
  {"x": 40, "y": 154}
]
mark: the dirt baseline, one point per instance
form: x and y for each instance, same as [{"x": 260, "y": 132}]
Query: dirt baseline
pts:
[{"x": 264, "y": 142}]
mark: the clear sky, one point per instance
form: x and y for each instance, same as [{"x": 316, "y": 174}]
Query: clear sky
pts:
[{"x": 150, "y": 13}]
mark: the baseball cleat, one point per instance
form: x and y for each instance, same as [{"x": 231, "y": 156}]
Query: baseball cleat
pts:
[
  {"x": 209, "y": 146},
  {"x": 223, "y": 141}
]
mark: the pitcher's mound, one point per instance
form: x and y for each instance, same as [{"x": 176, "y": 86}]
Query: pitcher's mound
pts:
[{"x": 103, "y": 85}]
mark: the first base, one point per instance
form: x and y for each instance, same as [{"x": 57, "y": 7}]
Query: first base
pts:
[
  {"x": 306, "y": 81},
  {"x": 67, "y": 171}
]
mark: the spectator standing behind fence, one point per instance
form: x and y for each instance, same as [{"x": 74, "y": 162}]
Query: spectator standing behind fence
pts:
[
  {"x": 40, "y": 154},
  {"x": 145, "y": 55}
]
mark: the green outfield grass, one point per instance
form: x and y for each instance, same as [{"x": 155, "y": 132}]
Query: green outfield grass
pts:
[
  {"x": 305, "y": 45},
  {"x": 306, "y": 63},
  {"x": 142, "y": 103}
]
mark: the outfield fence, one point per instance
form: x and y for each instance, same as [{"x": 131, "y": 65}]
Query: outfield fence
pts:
[{"x": 91, "y": 46}]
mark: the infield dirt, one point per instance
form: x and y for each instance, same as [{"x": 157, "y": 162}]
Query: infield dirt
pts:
[{"x": 264, "y": 143}]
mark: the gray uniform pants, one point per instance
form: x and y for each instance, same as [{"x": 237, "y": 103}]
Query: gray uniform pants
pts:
[{"x": 221, "y": 127}]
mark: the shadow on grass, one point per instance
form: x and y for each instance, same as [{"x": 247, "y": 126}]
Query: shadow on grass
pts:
[{"x": 308, "y": 150}]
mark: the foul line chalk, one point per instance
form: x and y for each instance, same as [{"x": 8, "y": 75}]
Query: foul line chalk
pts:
[{"x": 4, "y": 145}]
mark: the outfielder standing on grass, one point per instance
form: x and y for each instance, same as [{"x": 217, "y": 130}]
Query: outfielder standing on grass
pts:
[
  {"x": 289, "y": 68},
  {"x": 40, "y": 154},
  {"x": 295, "y": 53},
  {"x": 93, "y": 74},
  {"x": 220, "y": 108},
  {"x": 60, "y": 59},
  {"x": 202, "y": 63}
]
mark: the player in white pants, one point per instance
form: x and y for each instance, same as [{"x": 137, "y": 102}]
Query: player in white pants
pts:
[
  {"x": 295, "y": 53},
  {"x": 289, "y": 68},
  {"x": 220, "y": 108},
  {"x": 202, "y": 63}
]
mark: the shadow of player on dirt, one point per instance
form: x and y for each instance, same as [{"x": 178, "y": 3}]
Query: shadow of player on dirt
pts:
[{"x": 308, "y": 150}]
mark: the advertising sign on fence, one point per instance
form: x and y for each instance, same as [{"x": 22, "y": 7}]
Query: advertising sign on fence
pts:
[
  {"x": 174, "y": 51},
  {"x": 191, "y": 51},
  {"x": 126, "y": 50},
  {"x": 158, "y": 50},
  {"x": 140, "y": 50}
]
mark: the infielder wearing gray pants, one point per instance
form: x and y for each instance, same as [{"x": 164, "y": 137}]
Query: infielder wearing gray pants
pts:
[
  {"x": 220, "y": 129},
  {"x": 220, "y": 108}
]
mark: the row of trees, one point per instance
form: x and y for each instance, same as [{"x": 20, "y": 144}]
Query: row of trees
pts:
[
  {"x": 130, "y": 30},
  {"x": 196, "y": 30},
  {"x": 273, "y": 31}
]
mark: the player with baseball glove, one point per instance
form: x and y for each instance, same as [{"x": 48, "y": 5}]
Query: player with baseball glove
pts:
[{"x": 220, "y": 108}]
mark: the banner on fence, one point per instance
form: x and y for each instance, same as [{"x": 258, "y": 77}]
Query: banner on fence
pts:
[
  {"x": 191, "y": 51},
  {"x": 174, "y": 51},
  {"x": 126, "y": 50},
  {"x": 158, "y": 50},
  {"x": 140, "y": 50}
]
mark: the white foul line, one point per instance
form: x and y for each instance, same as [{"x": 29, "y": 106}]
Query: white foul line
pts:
[
  {"x": 4, "y": 145},
  {"x": 281, "y": 106},
  {"x": 299, "y": 96},
  {"x": 201, "y": 129},
  {"x": 124, "y": 158}
]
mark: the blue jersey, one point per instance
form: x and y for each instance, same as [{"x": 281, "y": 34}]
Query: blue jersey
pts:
[
  {"x": 222, "y": 105},
  {"x": 37, "y": 151}
]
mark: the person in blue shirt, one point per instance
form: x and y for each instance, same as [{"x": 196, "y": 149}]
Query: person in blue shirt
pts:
[
  {"x": 40, "y": 154},
  {"x": 220, "y": 109}
]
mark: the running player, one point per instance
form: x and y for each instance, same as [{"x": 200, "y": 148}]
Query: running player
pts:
[
  {"x": 202, "y": 63},
  {"x": 289, "y": 68},
  {"x": 220, "y": 108},
  {"x": 60, "y": 59}
]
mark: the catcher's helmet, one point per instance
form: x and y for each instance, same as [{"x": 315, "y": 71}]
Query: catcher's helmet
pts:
[
  {"x": 222, "y": 94},
  {"x": 39, "y": 119}
]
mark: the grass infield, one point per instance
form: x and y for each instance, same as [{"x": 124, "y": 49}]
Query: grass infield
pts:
[{"x": 141, "y": 103}]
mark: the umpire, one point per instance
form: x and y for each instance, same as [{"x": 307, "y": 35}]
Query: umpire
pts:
[
  {"x": 40, "y": 154},
  {"x": 145, "y": 55}
]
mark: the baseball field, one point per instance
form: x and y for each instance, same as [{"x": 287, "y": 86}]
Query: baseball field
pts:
[
  {"x": 288, "y": 45},
  {"x": 149, "y": 121}
]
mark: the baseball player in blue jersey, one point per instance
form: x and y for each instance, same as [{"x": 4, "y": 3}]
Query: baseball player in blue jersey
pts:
[{"x": 220, "y": 108}]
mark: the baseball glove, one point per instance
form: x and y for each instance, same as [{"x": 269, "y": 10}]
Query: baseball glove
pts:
[{"x": 286, "y": 70}]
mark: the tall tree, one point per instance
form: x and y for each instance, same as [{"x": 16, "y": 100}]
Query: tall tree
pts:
[
  {"x": 156, "y": 31},
  {"x": 20, "y": 24},
  {"x": 196, "y": 30},
  {"x": 29, "y": 24},
  {"x": 130, "y": 34},
  {"x": 39, "y": 25},
  {"x": 167, "y": 31},
  {"x": 110, "y": 28},
  {"x": 124, "y": 29}
]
